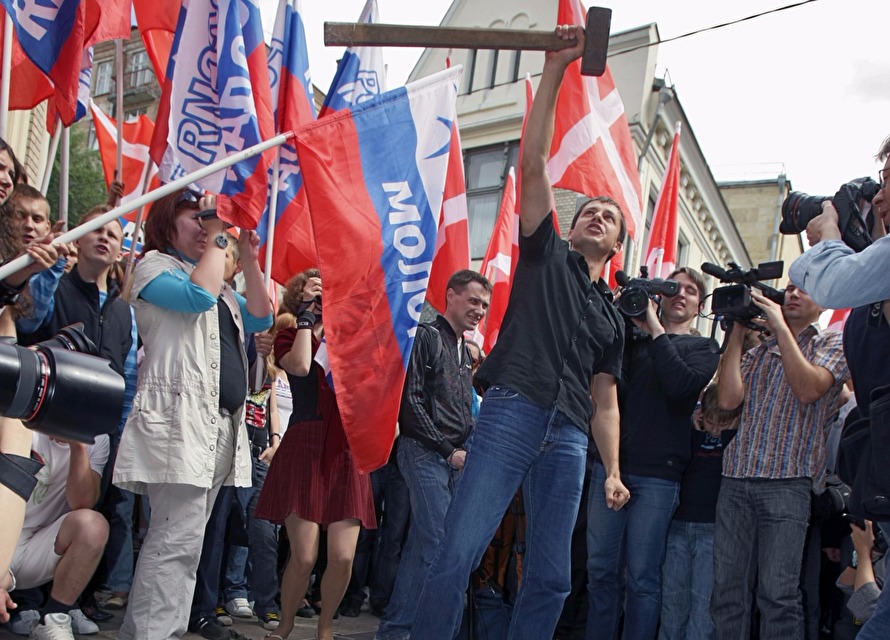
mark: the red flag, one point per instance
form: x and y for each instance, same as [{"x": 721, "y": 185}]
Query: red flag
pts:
[
  {"x": 107, "y": 20},
  {"x": 661, "y": 249},
  {"x": 157, "y": 26},
  {"x": 838, "y": 319},
  {"x": 592, "y": 151},
  {"x": 500, "y": 258},
  {"x": 29, "y": 85},
  {"x": 453, "y": 242}
]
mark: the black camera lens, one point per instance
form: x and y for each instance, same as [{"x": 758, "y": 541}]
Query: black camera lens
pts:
[
  {"x": 633, "y": 302},
  {"x": 61, "y": 387},
  {"x": 797, "y": 211}
]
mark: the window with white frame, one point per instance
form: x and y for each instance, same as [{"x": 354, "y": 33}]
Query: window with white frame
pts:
[{"x": 103, "y": 78}]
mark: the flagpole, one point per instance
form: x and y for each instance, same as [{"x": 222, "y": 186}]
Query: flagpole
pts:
[
  {"x": 7, "y": 65},
  {"x": 131, "y": 259},
  {"x": 119, "y": 108},
  {"x": 51, "y": 156},
  {"x": 63, "y": 175},
  {"x": 24, "y": 260},
  {"x": 270, "y": 223}
]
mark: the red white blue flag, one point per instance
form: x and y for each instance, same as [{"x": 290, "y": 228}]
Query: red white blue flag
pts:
[
  {"x": 375, "y": 175},
  {"x": 216, "y": 102},
  {"x": 361, "y": 75},
  {"x": 294, "y": 246},
  {"x": 661, "y": 248}
]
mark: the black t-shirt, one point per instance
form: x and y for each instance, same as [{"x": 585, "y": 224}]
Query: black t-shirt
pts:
[
  {"x": 232, "y": 373},
  {"x": 867, "y": 350},
  {"x": 560, "y": 329},
  {"x": 701, "y": 480}
]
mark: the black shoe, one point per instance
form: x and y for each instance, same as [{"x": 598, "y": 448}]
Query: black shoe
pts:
[
  {"x": 306, "y": 611},
  {"x": 377, "y": 607},
  {"x": 96, "y": 614},
  {"x": 350, "y": 610},
  {"x": 209, "y": 628}
]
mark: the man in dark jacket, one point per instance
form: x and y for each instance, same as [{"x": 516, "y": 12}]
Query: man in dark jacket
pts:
[
  {"x": 435, "y": 420},
  {"x": 665, "y": 368}
]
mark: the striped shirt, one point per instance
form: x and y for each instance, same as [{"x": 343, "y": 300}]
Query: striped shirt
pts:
[{"x": 779, "y": 436}]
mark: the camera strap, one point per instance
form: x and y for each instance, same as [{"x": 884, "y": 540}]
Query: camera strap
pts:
[{"x": 18, "y": 474}]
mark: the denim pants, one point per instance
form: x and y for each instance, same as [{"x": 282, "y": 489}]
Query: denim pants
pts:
[
  {"x": 431, "y": 482},
  {"x": 393, "y": 507},
  {"x": 878, "y": 626},
  {"x": 514, "y": 443},
  {"x": 212, "y": 556},
  {"x": 758, "y": 545},
  {"x": 634, "y": 537},
  {"x": 119, "y": 550},
  {"x": 687, "y": 582}
]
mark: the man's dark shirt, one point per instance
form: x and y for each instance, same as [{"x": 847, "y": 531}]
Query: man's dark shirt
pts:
[
  {"x": 437, "y": 398},
  {"x": 867, "y": 350},
  {"x": 559, "y": 330},
  {"x": 701, "y": 480},
  {"x": 659, "y": 388}
]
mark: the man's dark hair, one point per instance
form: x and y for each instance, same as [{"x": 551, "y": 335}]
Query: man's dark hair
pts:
[
  {"x": 884, "y": 153},
  {"x": 622, "y": 232},
  {"x": 460, "y": 279},
  {"x": 696, "y": 277}
]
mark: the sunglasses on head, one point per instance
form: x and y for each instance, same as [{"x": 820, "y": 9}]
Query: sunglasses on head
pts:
[{"x": 189, "y": 196}]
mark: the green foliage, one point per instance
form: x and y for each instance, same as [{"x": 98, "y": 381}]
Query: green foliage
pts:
[{"x": 86, "y": 182}]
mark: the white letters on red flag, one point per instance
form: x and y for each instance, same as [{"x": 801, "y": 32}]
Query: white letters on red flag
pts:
[
  {"x": 592, "y": 151},
  {"x": 453, "y": 242},
  {"x": 500, "y": 258},
  {"x": 217, "y": 102},
  {"x": 661, "y": 249}
]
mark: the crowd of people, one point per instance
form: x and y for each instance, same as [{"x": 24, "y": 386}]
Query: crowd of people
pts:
[{"x": 599, "y": 474}]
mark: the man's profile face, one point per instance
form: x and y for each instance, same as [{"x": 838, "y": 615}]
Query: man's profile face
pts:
[
  {"x": 685, "y": 305},
  {"x": 33, "y": 218},
  {"x": 881, "y": 201}
]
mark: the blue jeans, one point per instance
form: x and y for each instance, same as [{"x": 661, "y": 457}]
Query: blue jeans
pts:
[
  {"x": 119, "y": 550},
  {"x": 206, "y": 594},
  {"x": 431, "y": 482},
  {"x": 641, "y": 529},
  {"x": 393, "y": 507},
  {"x": 878, "y": 626},
  {"x": 687, "y": 582},
  {"x": 758, "y": 544},
  {"x": 515, "y": 443}
]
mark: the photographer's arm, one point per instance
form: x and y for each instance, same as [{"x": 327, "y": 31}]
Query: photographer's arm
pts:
[
  {"x": 730, "y": 388},
  {"x": 83, "y": 482}
]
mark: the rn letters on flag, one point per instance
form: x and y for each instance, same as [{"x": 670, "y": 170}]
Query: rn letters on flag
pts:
[
  {"x": 219, "y": 104},
  {"x": 375, "y": 175}
]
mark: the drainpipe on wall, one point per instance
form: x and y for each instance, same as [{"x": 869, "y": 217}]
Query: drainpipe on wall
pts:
[{"x": 774, "y": 239}]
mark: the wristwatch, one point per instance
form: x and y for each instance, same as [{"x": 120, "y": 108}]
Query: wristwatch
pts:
[{"x": 221, "y": 240}]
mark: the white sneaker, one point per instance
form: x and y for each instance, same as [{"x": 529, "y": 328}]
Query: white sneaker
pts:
[
  {"x": 55, "y": 626},
  {"x": 81, "y": 624},
  {"x": 239, "y": 607},
  {"x": 20, "y": 625}
]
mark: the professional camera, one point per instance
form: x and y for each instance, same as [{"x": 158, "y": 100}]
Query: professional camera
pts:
[
  {"x": 733, "y": 303},
  {"x": 60, "y": 386},
  {"x": 799, "y": 208},
  {"x": 636, "y": 292}
]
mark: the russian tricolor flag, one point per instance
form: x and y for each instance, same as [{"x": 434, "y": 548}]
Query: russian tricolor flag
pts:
[
  {"x": 374, "y": 176},
  {"x": 216, "y": 102},
  {"x": 293, "y": 247}
]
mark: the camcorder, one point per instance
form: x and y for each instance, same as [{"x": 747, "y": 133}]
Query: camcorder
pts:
[
  {"x": 799, "y": 208},
  {"x": 732, "y": 303},
  {"x": 61, "y": 386},
  {"x": 636, "y": 292}
]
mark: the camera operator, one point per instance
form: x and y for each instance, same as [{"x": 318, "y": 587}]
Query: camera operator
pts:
[
  {"x": 835, "y": 276},
  {"x": 787, "y": 387},
  {"x": 665, "y": 368}
]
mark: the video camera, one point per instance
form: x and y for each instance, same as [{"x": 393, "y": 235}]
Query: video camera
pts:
[
  {"x": 799, "y": 208},
  {"x": 636, "y": 292},
  {"x": 732, "y": 303},
  {"x": 60, "y": 387}
]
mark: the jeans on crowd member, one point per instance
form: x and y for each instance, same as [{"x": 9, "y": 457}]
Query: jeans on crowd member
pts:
[
  {"x": 515, "y": 442},
  {"x": 642, "y": 526},
  {"x": 233, "y": 580},
  {"x": 759, "y": 538},
  {"x": 392, "y": 505},
  {"x": 262, "y": 553},
  {"x": 878, "y": 626},
  {"x": 362, "y": 565},
  {"x": 431, "y": 482},
  {"x": 687, "y": 582},
  {"x": 119, "y": 550},
  {"x": 212, "y": 554}
]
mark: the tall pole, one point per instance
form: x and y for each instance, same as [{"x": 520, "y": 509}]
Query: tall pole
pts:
[
  {"x": 7, "y": 65},
  {"x": 119, "y": 108},
  {"x": 51, "y": 156},
  {"x": 63, "y": 174}
]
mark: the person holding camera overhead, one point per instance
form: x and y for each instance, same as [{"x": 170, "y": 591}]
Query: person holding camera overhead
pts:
[
  {"x": 666, "y": 366},
  {"x": 313, "y": 482},
  {"x": 185, "y": 435},
  {"x": 787, "y": 388}
]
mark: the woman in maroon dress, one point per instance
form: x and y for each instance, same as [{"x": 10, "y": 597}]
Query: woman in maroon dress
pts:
[{"x": 312, "y": 481}]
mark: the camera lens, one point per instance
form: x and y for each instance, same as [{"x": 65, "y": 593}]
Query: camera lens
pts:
[{"x": 633, "y": 302}]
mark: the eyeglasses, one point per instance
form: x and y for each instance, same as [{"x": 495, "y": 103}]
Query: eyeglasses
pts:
[
  {"x": 882, "y": 181},
  {"x": 188, "y": 196}
]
